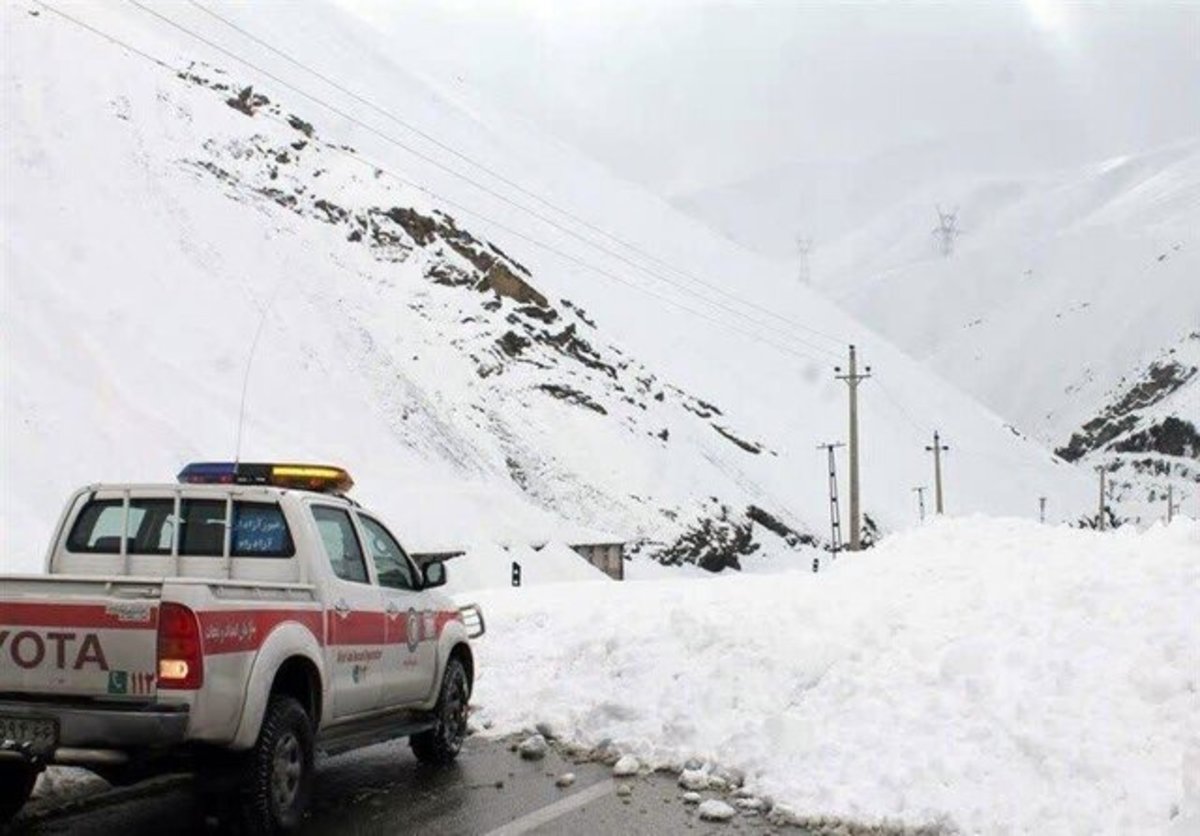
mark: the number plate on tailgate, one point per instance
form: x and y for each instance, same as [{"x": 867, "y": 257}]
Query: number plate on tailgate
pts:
[{"x": 40, "y": 735}]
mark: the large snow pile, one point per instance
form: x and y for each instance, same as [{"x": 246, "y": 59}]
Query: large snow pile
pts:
[{"x": 1001, "y": 675}]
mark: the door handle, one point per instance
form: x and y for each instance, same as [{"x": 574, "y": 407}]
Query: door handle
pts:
[{"x": 341, "y": 607}]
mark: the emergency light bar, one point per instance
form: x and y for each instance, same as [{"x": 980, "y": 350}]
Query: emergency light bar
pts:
[{"x": 304, "y": 477}]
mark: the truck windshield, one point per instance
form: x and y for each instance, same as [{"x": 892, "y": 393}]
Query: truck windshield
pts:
[{"x": 259, "y": 528}]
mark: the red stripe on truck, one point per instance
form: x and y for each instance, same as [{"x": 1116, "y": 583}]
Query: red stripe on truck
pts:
[
  {"x": 355, "y": 627},
  {"x": 237, "y": 631},
  {"x": 444, "y": 617},
  {"x": 92, "y": 616}
]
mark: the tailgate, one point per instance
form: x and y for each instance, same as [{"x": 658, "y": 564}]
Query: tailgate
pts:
[{"x": 79, "y": 637}]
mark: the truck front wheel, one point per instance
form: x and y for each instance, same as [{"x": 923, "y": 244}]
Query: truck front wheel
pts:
[
  {"x": 16, "y": 785},
  {"x": 442, "y": 743},
  {"x": 279, "y": 770}
]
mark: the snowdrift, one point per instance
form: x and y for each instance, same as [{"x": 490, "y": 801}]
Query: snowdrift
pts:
[{"x": 1001, "y": 675}]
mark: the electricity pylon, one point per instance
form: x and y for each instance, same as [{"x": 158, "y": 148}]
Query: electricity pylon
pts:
[
  {"x": 946, "y": 231},
  {"x": 804, "y": 246},
  {"x": 835, "y": 519}
]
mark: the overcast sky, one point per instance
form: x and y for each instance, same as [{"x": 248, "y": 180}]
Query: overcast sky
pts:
[{"x": 686, "y": 95}]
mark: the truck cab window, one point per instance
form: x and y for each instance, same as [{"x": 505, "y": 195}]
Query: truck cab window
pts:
[
  {"x": 341, "y": 543},
  {"x": 98, "y": 528},
  {"x": 260, "y": 530},
  {"x": 391, "y": 565},
  {"x": 202, "y": 529}
]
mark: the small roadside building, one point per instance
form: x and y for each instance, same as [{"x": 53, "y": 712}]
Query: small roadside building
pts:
[{"x": 608, "y": 557}]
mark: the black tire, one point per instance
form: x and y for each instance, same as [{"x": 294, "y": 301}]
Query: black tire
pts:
[
  {"x": 442, "y": 743},
  {"x": 278, "y": 772},
  {"x": 16, "y": 785}
]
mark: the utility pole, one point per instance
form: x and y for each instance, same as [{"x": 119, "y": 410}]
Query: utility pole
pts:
[
  {"x": 920, "y": 492},
  {"x": 835, "y": 520},
  {"x": 1100, "y": 470},
  {"x": 938, "y": 448},
  {"x": 804, "y": 246},
  {"x": 1170, "y": 503},
  {"x": 1042, "y": 509},
  {"x": 852, "y": 380}
]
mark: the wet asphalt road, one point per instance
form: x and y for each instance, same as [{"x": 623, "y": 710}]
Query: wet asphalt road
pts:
[{"x": 383, "y": 790}]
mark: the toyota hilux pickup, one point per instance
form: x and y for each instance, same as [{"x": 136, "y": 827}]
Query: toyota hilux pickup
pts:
[{"x": 232, "y": 624}]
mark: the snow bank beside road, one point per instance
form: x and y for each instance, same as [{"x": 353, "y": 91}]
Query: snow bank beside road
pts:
[
  {"x": 489, "y": 566},
  {"x": 1009, "y": 676}
]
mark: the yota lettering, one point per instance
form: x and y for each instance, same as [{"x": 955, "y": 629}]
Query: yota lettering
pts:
[{"x": 28, "y": 650}]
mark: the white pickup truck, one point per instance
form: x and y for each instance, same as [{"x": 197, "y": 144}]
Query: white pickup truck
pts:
[{"x": 233, "y": 624}]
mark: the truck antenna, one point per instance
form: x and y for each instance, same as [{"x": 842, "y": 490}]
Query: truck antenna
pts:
[{"x": 258, "y": 332}]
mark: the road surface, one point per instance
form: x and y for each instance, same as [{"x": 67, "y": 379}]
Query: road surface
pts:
[{"x": 490, "y": 791}]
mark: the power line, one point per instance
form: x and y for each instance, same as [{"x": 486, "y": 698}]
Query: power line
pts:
[
  {"x": 387, "y": 114},
  {"x": 922, "y": 432},
  {"x": 904, "y": 413},
  {"x": 368, "y": 163},
  {"x": 487, "y": 189}
]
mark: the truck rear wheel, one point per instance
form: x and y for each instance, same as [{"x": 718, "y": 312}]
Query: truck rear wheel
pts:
[
  {"x": 442, "y": 743},
  {"x": 279, "y": 770},
  {"x": 16, "y": 785}
]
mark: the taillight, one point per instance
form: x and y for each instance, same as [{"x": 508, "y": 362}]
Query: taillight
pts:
[{"x": 180, "y": 654}]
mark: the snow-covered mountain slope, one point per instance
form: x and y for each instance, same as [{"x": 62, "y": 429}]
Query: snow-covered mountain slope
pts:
[
  {"x": 1094, "y": 269},
  {"x": 1091, "y": 272},
  {"x": 485, "y": 374},
  {"x": 1060, "y": 290},
  {"x": 825, "y": 199},
  {"x": 1066, "y": 306},
  {"x": 1147, "y": 436}
]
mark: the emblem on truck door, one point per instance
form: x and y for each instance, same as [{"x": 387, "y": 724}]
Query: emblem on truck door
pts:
[{"x": 412, "y": 631}]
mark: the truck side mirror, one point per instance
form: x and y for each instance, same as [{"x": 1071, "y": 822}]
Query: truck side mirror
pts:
[{"x": 434, "y": 574}]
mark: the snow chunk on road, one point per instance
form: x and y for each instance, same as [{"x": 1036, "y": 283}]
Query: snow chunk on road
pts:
[
  {"x": 533, "y": 748},
  {"x": 625, "y": 766},
  {"x": 716, "y": 810},
  {"x": 1006, "y": 676}
]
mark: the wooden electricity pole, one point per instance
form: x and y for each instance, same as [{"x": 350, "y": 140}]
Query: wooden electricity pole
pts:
[
  {"x": 1042, "y": 508},
  {"x": 1170, "y": 503},
  {"x": 938, "y": 448},
  {"x": 853, "y": 378},
  {"x": 1100, "y": 470}
]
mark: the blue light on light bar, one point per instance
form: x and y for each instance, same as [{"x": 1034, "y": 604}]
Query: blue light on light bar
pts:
[{"x": 209, "y": 473}]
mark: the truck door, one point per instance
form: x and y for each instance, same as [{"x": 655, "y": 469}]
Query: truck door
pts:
[
  {"x": 354, "y": 618},
  {"x": 410, "y": 659}
]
